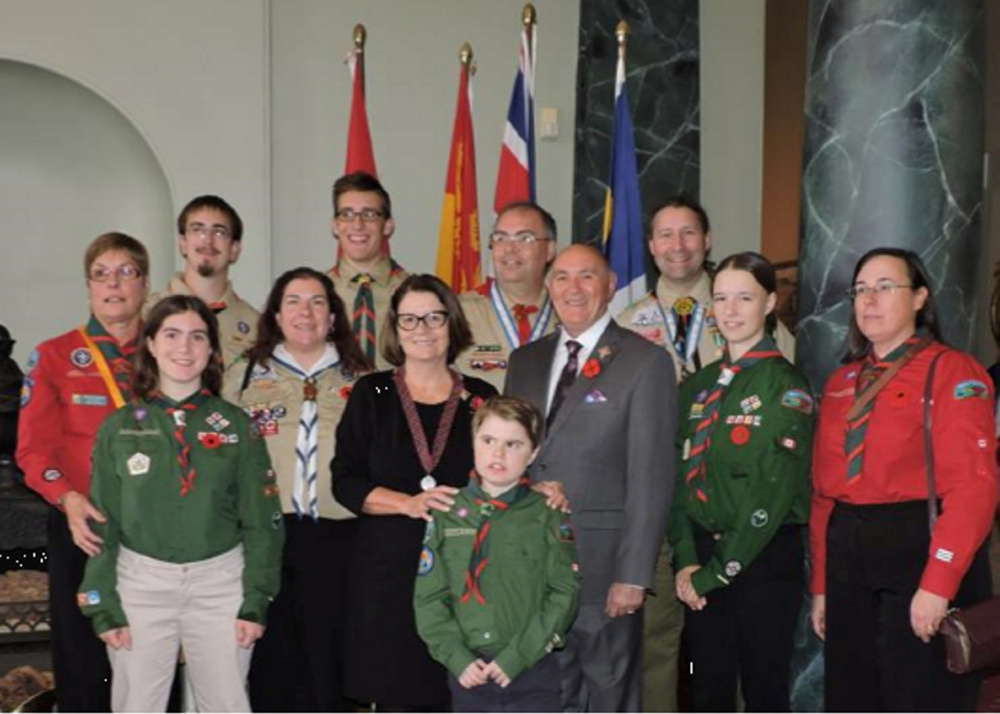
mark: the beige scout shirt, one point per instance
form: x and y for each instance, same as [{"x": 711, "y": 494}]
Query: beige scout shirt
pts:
[
  {"x": 646, "y": 318},
  {"x": 387, "y": 276},
  {"x": 490, "y": 352},
  {"x": 273, "y": 399},
  {"x": 237, "y": 322}
]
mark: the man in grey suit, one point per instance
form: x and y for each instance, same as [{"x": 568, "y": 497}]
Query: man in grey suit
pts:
[{"x": 611, "y": 403}]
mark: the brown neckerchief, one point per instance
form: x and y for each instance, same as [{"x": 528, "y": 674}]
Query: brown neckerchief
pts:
[{"x": 886, "y": 377}]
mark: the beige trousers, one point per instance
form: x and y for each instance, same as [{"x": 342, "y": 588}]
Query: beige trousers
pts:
[{"x": 169, "y": 606}]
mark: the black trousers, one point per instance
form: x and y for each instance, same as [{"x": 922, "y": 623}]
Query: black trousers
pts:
[
  {"x": 745, "y": 633},
  {"x": 876, "y": 555},
  {"x": 79, "y": 658},
  {"x": 297, "y": 665},
  {"x": 535, "y": 690}
]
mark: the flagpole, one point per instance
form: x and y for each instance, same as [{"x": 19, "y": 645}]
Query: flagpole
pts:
[
  {"x": 621, "y": 32},
  {"x": 360, "y": 36}
]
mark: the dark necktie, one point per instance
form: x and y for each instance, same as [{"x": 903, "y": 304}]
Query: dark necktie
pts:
[{"x": 566, "y": 379}]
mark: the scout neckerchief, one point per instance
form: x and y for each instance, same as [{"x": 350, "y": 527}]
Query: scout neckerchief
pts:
[
  {"x": 363, "y": 314},
  {"x": 112, "y": 360},
  {"x": 874, "y": 375},
  {"x": 702, "y": 440},
  {"x": 684, "y": 321},
  {"x": 307, "y": 438},
  {"x": 178, "y": 411},
  {"x": 428, "y": 459},
  {"x": 488, "y": 507},
  {"x": 522, "y": 333}
]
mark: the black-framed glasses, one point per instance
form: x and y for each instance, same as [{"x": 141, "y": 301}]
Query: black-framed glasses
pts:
[
  {"x": 433, "y": 320},
  {"x": 519, "y": 238},
  {"x": 348, "y": 215},
  {"x": 200, "y": 230},
  {"x": 862, "y": 291},
  {"x": 124, "y": 272}
]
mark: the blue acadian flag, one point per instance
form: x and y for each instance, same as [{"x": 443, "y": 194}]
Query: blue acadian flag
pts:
[{"x": 623, "y": 239}]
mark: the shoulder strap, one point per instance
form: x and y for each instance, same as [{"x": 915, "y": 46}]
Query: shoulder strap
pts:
[{"x": 932, "y": 509}]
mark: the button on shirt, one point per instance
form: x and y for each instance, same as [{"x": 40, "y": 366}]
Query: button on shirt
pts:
[{"x": 588, "y": 339}]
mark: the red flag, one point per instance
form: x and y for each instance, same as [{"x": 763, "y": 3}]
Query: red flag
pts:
[
  {"x": 458, "y": 238},
  {"x": 360, "y": 155}
]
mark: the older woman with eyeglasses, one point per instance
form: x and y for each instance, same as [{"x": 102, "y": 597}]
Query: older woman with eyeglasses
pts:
[
  {"x": 404, "y": 448},
  {"x": 887, "y": 560},
  {"x": 74, "y": 381}
]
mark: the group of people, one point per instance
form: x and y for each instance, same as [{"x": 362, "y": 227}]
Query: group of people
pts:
[{"x": 328, "y": 503}]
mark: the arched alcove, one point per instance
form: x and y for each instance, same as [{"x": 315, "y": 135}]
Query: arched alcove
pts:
[{"x": 72, "y": 166}]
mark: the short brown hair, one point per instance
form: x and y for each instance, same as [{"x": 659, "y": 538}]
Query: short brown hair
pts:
[
  {"x": 515, "y": 409},
  {"x": 459, "y": 334},
  {"x": 213, "y": 203},
  {"x": 108, "y": 242},
  {"x": 362, "y": 182}
]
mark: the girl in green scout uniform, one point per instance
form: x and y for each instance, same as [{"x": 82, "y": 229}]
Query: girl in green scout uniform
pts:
[
  {"x": 745, "y": 443},
  {"x": 499, "y": 580},
  {"x": 191, "y": 549}
]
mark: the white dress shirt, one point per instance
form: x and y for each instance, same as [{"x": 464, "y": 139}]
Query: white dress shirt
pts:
[{"x": 588, "y": 340}]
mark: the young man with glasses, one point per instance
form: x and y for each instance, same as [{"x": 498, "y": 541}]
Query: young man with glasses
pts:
[
  {"x": 209, "y": 237},
  {"x": 513, "y": 308},
  {"x": 365, "y": 276}
]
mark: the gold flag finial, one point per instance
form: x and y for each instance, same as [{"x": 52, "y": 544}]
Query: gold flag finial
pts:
[
  {"x": 621, "y": 32},
  {"x": 360, "y": 35},
  {"x": 465, "y": 53},
  {"x": 528, "y": 15}
]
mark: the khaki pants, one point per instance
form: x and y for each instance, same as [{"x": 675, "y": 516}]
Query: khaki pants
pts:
[
  {"x": 194, "y": 606},
  {"x": 662, "y": 639}
]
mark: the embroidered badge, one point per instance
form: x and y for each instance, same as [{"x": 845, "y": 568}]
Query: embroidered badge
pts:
[
  {"x": 429, "y": 531},
  {"x": 140, "y": 413},
  {"x": 972, "y": 388},
  {"x": 566, "y": 534},
  {"x": 27, "y": 386},
  {"x": 138, "y": 464},
  {"x": 458, "y": 532},
  {"x": 945, "y": 556},
  {"x": 81, "y": 357},
  {"x": 594, "y": 397},
  {"x": 725, "y": 376},
  {"x": 270, "y": 475},
  {"x": 798, "y": 400},
  {"x": 488, "y": 365},
  {"x": 217, "y": 421},
  {"x": 92, "y": 597},
  {"x": 733, "y": 568},
  {"x": 271, "y": 490},
  {"x": 696, "y": 411},
  {"x": 758, "y": 519},
  {"x": 739, "y": 435},
  {"x": 51, "y": 475},
  {"x": 90, "y": 400},
  {"x": 243, "y": 327},
  {"x": 489, "y": 348},
  {"x": 748, "y": 419},
  {"x": 426, "y": 561},
  {"x": 180, "y": 418},
  {"x": 750, "y": 404}
]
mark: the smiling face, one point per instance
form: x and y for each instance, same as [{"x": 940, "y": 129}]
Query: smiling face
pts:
[
  {"x": 116, "y": 300},
  {"x": 887, "y": 319},
  {"x": 181, "y": 348},
  {"x": 741, "y": 308},
  {"x": 581, "y": 285},
  {"x": 304, "y": 317},
  {"x": 503, "y": 453},
  {"x": 679, "y": 245},
  {"x": 423, "y": 344},
  {"x": 522, "y": 263},
  {"x": 360, "y": 239},
  {"x": 207, "y": 243}
]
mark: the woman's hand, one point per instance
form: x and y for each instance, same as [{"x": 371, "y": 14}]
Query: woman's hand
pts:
[
  {"x": 439, "y": 498},
  {"x": 685, "y": 590},
  {"x": 926, "y": 612},
  {"x": 555, "y": 495},
  {"x": 247, "y": 633},
  {"x": 118, "y": 638},
  {"x": 818, "y": 616},
  {"x": 78, "y": 509}
]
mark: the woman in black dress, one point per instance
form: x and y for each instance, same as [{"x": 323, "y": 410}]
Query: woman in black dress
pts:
[{"x": 404, "y": 447}]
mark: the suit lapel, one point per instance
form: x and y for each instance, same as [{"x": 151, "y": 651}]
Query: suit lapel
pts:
[
  {"x": 604, "y": 353},
  {"x": 537, "y": 380}
]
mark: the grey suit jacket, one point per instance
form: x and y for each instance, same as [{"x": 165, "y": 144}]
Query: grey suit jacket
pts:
[{"x": 612, "y": 447}]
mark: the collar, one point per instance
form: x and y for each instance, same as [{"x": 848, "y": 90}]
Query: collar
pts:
[
  {"x": 588, "y": 339},
  {"x": 329, "y": 359},
  {"x": 380, "y": 272},
  {"x": 177, "y": 286},
  {"x": 702, "y": 291}
]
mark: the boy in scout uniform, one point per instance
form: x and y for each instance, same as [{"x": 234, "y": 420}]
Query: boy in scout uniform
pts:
[
  {"x": 497, "y": 585},
  {"x": 365, "y": 276},
  {"x": 514, "y": 308},
  {"x": 210, "y": 239}
]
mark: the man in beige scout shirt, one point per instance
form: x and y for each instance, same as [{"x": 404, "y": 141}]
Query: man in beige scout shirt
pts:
[
  {"x": 678, "y": 316},
  {"x": 209, "y": 236},
  {"x": 514, "y": 308},
  {"x": 365, "y": 276}
]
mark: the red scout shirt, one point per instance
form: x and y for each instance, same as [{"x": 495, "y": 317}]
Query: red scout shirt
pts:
[
  {"x": 63, "y": 403},
  {"x": 894, "y": 467}
]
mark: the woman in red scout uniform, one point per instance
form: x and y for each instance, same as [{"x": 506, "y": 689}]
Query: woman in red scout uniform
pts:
[
  {"x": 742, "y": 500},
  {"x": 883, "y": 573},
  {"x": 74, "y": 381}
]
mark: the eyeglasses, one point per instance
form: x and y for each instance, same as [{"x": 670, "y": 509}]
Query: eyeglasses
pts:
[
  {"x": 519, "y": 238},
  {"x": 862, "y": 291},
  {"x": 433, "y": 320},
  {"x": 124, "y": 273},
  {"x": 202, "y": 231},
  {"x": 348, "y": 215}
]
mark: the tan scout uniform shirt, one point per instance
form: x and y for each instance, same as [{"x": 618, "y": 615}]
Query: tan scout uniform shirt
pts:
[
  {"x": 273, "y": 399},
  {"x": 386, "y": 278},
  {"x": 490, "y": 352},
  {"x": 237, "y": 322},
  {"x": 647, "y": 319}
]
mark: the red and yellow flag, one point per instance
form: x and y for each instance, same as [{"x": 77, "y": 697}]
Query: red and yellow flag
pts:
[{"x": 458, "y": 238}]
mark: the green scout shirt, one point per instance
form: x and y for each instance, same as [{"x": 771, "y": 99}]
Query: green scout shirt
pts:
[
  {"x": 137, "y": 485},
  {"x": 757, "y": 468},
  {"x": 531, "y": 584}
]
